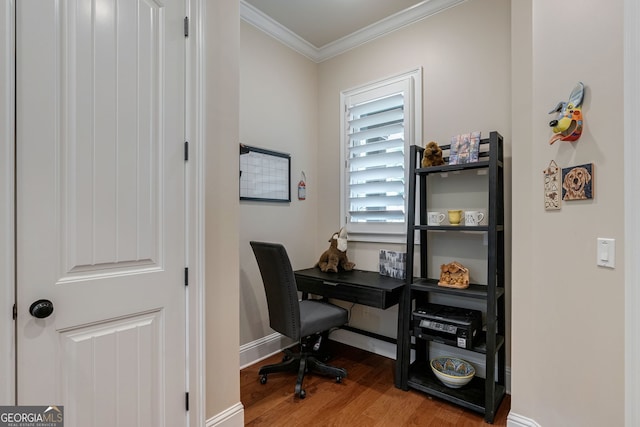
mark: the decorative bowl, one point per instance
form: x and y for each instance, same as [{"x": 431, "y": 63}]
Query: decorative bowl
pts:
[{"x": 453, "y": 372}]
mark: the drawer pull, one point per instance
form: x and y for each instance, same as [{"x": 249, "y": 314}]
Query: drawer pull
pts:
[{"x": 331, "y": 283}]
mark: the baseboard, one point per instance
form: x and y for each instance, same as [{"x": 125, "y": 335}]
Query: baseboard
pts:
[
  {"x": 230, "y": 417},
  {"x": 262, "y": 348},
  {"x": 364, "y": 342},
  {"x": 388, "y": 350},
  {"x": 255, "y": 351},
  {"x": 515, "y": 420}
]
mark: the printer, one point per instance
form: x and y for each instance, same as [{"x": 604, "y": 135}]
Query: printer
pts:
[{"x": 450, "y": 325}]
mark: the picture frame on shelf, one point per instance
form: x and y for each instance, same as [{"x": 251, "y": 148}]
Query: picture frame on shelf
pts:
[{"x": 464, "y": 148}]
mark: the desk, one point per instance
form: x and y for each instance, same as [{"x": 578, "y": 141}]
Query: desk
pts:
[{"x": 359, "y": 286}]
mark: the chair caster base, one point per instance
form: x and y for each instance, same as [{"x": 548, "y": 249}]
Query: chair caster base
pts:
[{"x": 300, "y": 392}]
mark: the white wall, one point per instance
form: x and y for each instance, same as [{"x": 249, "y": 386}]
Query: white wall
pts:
[
  {"x": 278, "y": 111},
  {"x": 280, "y": 88},
  {"x": 221, "y": 36},
  {"x": 501, "y": 65},
  {"x": 568, "y": 314},
  {"x": 465, "y": 55}
]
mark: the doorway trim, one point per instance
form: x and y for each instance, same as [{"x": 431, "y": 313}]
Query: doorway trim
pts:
[
  {"x": 194, "y": 130},
  {"x": 631, "y": 90},
  {"x": 195, "y": 135},
  {"x": 7, "y": 191}
]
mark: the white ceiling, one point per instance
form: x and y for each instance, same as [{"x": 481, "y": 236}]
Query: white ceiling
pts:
[
  {"x": 321, "y": 22},
  {"x": 321, "y": 29}
]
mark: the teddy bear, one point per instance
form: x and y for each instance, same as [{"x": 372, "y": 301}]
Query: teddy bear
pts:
[
  {"x": 432, "y": 155},
  {"x": 336, "y": 255}
]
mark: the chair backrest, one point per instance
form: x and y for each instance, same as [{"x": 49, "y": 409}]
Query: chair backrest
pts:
[{"x": 280, "y": 288}]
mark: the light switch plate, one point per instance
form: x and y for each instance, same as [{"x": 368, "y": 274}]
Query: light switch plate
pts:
[{"x": 606, "y": 252}]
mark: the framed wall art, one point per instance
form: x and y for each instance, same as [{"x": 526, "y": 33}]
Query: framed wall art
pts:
[
  {"x": 552, "y": 190},
  {"x": 578, "y": 182},
  {"x": 265, "y": 175}
]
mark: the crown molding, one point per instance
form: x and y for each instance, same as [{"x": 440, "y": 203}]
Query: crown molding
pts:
[
  {"x": 263, "y": 22},
  {"x": 394, "y": 22}
]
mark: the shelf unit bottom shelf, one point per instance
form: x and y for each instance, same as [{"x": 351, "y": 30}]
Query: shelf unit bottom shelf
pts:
[{"x": 470, "y": 396}]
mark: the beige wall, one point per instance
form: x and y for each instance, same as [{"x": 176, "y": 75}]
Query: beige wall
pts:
[
  {"x": 466, "y": 87},
  {"x": 501, "y": 65},
  {"x": 568, "y": 314},
  {"x": 278, "y": 111},
  {"x": 222, "y": 22}
]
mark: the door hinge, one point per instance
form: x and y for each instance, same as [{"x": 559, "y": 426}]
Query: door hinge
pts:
[
  {"x": 186, "y": 276},
  {"x": 186, "y": 401},
  {"x": 15, "y": 312},
  {"x": 186, "y": 26},
  {"x": 186, "y": 151}
]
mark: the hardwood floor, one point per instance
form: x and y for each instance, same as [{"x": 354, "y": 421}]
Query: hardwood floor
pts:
[{"x": 367, "y": 397}]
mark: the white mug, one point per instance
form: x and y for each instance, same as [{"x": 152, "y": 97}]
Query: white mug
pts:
[
  {"x": 435, "y": 218},
  {"x": 473, "y": 218}
]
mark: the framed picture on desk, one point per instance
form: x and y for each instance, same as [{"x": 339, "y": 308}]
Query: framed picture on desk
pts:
[{"x": 393, "y": 264}]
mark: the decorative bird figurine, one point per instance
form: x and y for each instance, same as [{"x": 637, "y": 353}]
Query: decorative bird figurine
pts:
[{"x": 567, "y": 126}]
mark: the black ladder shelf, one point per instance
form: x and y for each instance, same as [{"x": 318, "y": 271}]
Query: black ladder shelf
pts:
[{"x": 482, "y": 395}]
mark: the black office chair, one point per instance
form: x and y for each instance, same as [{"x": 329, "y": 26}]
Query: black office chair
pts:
[{"x": 303, "y": 321}]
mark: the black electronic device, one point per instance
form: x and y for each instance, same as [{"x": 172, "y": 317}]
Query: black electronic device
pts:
[{"x": 450, "y": 325}]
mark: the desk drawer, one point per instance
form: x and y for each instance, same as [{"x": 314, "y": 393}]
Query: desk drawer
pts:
[{"x": 372, "y": 297}]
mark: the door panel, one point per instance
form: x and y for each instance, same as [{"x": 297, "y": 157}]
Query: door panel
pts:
[
  {"x": 100, "y": 209},
  {"x": 118, "y": 359},
  {"x": 117, "y": 62}
]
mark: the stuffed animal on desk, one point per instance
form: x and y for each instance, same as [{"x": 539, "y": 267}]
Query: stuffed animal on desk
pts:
[{"x": 336, "y": 256}]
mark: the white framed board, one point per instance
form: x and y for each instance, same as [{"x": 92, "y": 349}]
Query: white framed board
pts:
[{"x": 265, "y": 175}]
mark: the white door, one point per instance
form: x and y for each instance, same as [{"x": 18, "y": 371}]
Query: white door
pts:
[{"x": 101, "y": 209}]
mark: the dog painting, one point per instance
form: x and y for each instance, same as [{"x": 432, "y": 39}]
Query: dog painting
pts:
[{"x": 577, "y": 182}]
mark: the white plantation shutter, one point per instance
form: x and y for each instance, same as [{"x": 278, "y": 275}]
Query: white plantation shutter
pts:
[
  {"x": 376, "y": 160},
  {"x": 380, "y": 124}
]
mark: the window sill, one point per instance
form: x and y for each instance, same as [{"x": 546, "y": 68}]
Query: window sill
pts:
[{"x": 377, "y": 237}]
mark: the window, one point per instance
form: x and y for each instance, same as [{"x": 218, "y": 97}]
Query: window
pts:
[{"x": 381, "y": 120}]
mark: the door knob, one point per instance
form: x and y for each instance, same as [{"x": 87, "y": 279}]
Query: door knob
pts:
[{"x": 41, "y": 308}]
